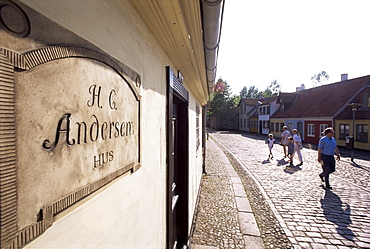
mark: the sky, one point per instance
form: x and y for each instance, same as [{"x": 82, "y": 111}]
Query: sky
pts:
[{"x": 291, "y": 40}]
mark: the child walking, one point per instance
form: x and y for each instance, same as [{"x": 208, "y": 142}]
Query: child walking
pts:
[
  {"x": 290, "y": 150},
  {"x": 270, "y": 144}
]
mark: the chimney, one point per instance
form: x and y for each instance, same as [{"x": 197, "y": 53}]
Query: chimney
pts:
[
  {"x": 344, "y": 76},
  {"x": 302, "y": 87}
]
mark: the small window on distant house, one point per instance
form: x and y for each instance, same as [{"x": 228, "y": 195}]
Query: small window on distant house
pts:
[
  {"x": 366, "y": 99},
  {"x": 322, "y": 128},
  {"x": 224, "y": 122},
  {"x": 277, "y": 127},
  {"x": 290, "y": 126},
  {"x": 362, "y": 133},
  {"x": 343, "y": 131},
  {"x": 272, "y": 126},
  {"x": 311, "y": 130},
  {"x": 281, "y": 126}
]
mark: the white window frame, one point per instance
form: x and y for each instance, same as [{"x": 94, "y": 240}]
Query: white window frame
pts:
[
  {"x": 322, "y": 128},
  {"x": 310, "y": 130}
]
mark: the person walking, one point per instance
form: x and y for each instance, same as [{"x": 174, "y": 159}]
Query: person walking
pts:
[
  {"x": 284, "y": 139},
  {"x": 270, "y": 144},
  {"x": 297, "y": 145},
  {"x": 290, "y": 150},
  {"x": 325, "y": 155}
]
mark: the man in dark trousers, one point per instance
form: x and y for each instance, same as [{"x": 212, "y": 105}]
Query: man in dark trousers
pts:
[{"x": 327, "y": 149}]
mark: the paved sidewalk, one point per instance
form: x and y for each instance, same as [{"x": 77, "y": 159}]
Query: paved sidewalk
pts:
[{"x": 224, "y": 218}]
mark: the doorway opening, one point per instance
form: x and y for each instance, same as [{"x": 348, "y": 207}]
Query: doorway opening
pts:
[{"x": 177, "y": 162}]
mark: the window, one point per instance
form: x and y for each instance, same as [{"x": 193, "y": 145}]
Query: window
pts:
[
  {"x": 282, "y": 107},
  {"x": 311, "y": 130},
  {"x": 264, "y": 110},
  {"x": 281, "y": 126},
  {"x": 366, "y": 99},
  {"x": 343, "y": 131},
  {"x": 362, "y": 132},
  {"x": 197, "y": 128},
  {"x": 277, "y": 127},
  {"x": 290, "y": 126},
  {"x": 245, "y": 123},
  {"x": 322, "y": 128},
  {"x": 272, "y": 126},
  {"x": 224, "y": 121}
]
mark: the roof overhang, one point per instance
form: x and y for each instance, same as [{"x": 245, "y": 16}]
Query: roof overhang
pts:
[{"x": 189, "y": 32}]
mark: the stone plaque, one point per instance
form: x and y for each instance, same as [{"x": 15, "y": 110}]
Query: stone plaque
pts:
[
  {"x": 77, "y": 120},
  {"x": 76, "y": 115}
]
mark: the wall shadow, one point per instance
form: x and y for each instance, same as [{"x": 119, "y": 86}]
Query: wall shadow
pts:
[{"x": 334, "y": 212}]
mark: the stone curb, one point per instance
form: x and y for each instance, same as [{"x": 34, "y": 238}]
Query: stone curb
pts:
[
  {"x": 268, "y": 200},
  {"x": 248, "y": 224}
]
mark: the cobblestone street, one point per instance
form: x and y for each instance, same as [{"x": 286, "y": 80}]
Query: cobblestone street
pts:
[{"x": 309, "y": 215}]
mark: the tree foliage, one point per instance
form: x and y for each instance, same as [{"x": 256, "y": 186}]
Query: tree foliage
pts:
[
  {"x": 224, "y": 101},
  {"x": 253, "y": 92},
  {"x": 244, "y": 92},
  {"x": 320, "y": 78}
]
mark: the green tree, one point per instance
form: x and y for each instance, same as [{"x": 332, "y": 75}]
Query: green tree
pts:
[
  {"x": 253, "y": 93},
  {"x": 320, "y": 78},
  {"x": 244, "y": 92},
  {"x": 267, "y": 93},
  {"x": 224, "y": 101},
  {"x": 273, "y": 89}
]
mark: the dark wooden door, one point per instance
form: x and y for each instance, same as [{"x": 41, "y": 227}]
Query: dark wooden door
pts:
[{"x": 177, "y": 167}]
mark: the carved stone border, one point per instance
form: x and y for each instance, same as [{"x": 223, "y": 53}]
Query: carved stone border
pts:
[
  {"x": 10, "y": 237},
  {"x": 8, "y": 171}
]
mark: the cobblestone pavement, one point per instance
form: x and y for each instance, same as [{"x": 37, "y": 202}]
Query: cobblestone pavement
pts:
[
  {"x": 217, "y": 222},
  {"x": 310, "y": 216}
]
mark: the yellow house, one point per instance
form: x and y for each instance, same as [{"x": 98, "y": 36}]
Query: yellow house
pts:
[{"x": 354, "y": 121}]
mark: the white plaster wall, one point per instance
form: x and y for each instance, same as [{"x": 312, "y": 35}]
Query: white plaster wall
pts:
[
  {"x": 131, "y": 211},
  {"x": 195, "y": 156},
  {"x": 273, "y": 107}
]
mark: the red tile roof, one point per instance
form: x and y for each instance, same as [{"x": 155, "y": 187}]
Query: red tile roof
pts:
[
  {"x": 268, "y": 100},
  {"x": 361, "y": 113},
  {"x": 323, "y": 101},
  {"x": 248, "y": 101},
  {"x": 287, "y": 97}
]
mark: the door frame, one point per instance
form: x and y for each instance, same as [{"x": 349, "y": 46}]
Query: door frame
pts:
[{"x": 177, "y": 223}]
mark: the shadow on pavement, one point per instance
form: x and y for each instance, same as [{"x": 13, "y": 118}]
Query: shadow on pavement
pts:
[
  {"x": 292, "y": 169},
  {"x": 282, "y": 162},
  {"x": 333, "y": 211},
  {"x": 359, "y": 166}
]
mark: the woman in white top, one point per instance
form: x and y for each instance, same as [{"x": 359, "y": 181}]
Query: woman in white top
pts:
[{"x": 297, "y": 145}]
